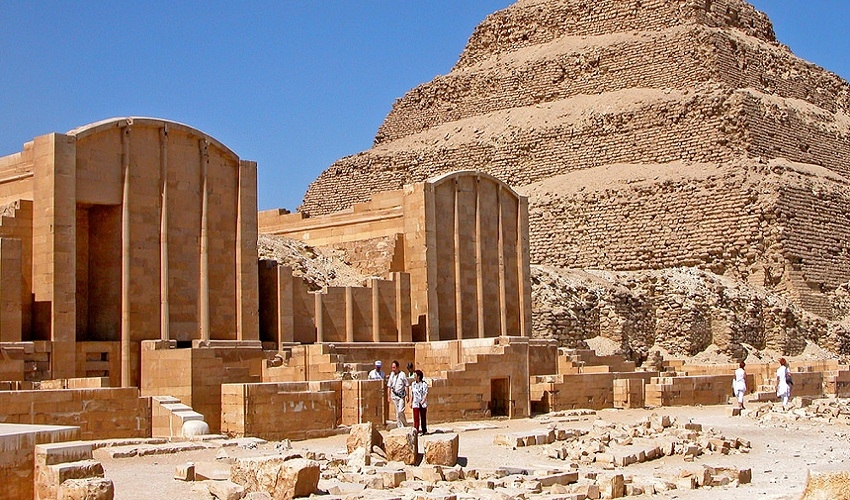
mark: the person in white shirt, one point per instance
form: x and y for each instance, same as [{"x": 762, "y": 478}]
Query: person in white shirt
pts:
[
  {"x": 419, "y": 390},
  {"x": 739, "y": 384},
  {"x": 783, "y": 382},
  {"x": 397, "y": 393},
  {"x": 376, "y": 374}
]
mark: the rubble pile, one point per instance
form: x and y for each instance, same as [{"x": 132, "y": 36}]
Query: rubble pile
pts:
[
  {"x": 311, "y": 264},
  {"x": 821, "y": 410},
  {"x": 682, "y": 311},
  {"x": 611, "y": 445}
]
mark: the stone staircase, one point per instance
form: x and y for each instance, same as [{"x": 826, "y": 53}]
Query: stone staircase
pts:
[
  {"x": 170, "y": 419},
  {"x": 68, "y": 470}
]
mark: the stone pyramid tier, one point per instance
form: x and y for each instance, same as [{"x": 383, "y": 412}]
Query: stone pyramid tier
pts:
[
  {"x": 677, "y": 57},
  {"x": 709, "y": 123}
]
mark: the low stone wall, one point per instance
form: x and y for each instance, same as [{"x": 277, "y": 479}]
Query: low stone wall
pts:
[
  {"x": 277, "y": 411},
  {"x": 691, "y": 391},
  {"x": 100, "y": 413},
  {"x": 588, "y": 390},
  {"x": 17, "y": 455}
]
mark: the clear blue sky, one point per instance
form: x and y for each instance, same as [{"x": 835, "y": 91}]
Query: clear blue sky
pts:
[{"x": 293, "y": 85}]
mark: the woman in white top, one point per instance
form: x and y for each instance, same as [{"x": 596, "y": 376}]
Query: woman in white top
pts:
[
  {"x": 420, "y": 401},
  {"x": 783, "y": 385},
  {"x": 739, "y": 384}
]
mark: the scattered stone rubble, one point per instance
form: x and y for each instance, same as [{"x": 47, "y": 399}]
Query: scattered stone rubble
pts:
[
  {"x": 820, "y": 410},
  {"x": 311, "y": 264},
  {"x": 377, "y": 465}
]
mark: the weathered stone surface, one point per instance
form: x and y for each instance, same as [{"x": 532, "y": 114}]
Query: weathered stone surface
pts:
[
  {"x": 363, "y": 436},
  {"x": 281, "y": 478},
  {"x": 185, "y": 472},
  {"x": 194, "y": 428},
  {"x": 442, "y": 450},
  {"x": 90, "y": 488},
  {"x": 358, "y": 458},
  {"x": 226, "y": 490},
  {"x": 401, "y": 445}
]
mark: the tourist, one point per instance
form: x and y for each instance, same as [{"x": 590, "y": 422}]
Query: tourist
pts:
[
  {"x": 783, "y": 382},
  {"x": 397, "y": 393},
  {"x": 739, "y": 384},
  {"x": 419, "y": 389},
  {"x": 376, "y": 373},
  {"x": 410, "y": 372}
]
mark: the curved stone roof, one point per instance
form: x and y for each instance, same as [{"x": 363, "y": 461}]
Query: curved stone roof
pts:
[{"x": 93, "y": 128}]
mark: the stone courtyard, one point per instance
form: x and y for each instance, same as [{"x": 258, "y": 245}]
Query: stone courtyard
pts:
[{"x": 576, "y": 234}]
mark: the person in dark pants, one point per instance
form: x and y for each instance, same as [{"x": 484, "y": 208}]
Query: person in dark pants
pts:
[{"x": 419, "y": 390}]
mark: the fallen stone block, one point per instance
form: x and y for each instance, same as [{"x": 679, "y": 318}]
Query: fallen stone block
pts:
[
  {"x": 827, "y": 485},
  {"x": 453, "y": 474},
  {"x": 612, "y": 486},
  {"x": 512, "y": 440},
  {"x": 358, "y": 458},
  {"x": 401, "y": 445},
  {"x": 442, "y": 450},
  {"x": 363, "y": 436},
  {"x": 90, "y": 488},
  {"x": 562, "y": 478},
  {"x": 281, "y": 478},
  {"x": 430, "y": 474},
  {"x": 212, "y": 471},
  {"x": 686, "y": 483},
  {"x": 392, "y": 478},
  {"x": 185, "y": 472},
  {"x": 226, "y": 490}
]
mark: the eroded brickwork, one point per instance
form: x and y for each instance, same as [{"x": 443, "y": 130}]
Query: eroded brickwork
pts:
[{"x": 701, "y": 90}]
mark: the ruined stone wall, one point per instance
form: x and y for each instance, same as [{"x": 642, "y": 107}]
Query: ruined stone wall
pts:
[
  {"x": 100, "y": 413},
  {"x": 587, "y": 390},
  {"x": 711, "y": 218},
  {"x": 683, "y": 312},
  {"x": 278, "y": 411},
  {"x": 815, "y": 225},
  {"x": 770, "y": 224}
]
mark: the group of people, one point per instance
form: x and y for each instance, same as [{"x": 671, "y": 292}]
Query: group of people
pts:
[
  {"x": 403, "y": 389},
  {"x": 783, "y": 383}
]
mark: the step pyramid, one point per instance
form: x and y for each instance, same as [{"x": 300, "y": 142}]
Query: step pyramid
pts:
[{"x": 647, "y": 134}]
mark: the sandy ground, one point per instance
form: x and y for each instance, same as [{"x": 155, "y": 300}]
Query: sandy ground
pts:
[{"x": 782, "y": 453}]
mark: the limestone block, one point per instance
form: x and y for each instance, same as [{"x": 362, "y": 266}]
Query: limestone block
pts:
[
  {"x": 442, "y": 450},
  {"x": 392, "y": 478},
  {"x": 363, "y": 436},
  {"x": 511, "y": 440},
  {"x": 401, "y": 445},
  {"x": 827, "y": 485},
  {"x": 280, "y": 478},
  {"x": 358, "y": 458},
  {"x": 226, "y": 490},
  {"x": 686, "y": 483},
  {"x": 91, "y": 488},
  {"x": 562, "y": 478},
  {"x": 613, "y": 486},
  {"x": 185, "y": 472},
  {"x": 215, "y": 471},
  {"x": 427, "y": 474},
  {"x": 257, "y": 495}
]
